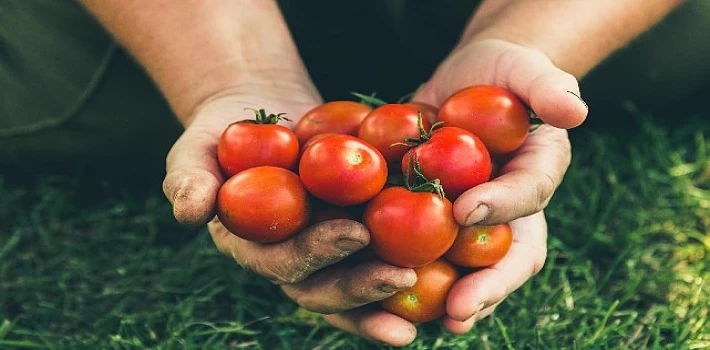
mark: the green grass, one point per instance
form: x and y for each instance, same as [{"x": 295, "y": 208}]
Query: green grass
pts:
[{"x": 88, "y": 264}]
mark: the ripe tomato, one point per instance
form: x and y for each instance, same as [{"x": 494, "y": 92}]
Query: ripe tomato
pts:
[
  {"x": 426, "y": 300},
  {"x": 480, "y": 246},
  {"x": 493, "y": 114},
  {"x": 342, "y": 170},
  {"x": 429, "y": 112},
  {"x": 389, "y": 124},
  {"x": 322, "y": 211},
  {"x": 252, "y": 143},
  {"x": 454, "y": 156},
  {"x": 263, "y": 204},
  {"x": 410, "y": 229},
  {"x": 338, "y": 117}
]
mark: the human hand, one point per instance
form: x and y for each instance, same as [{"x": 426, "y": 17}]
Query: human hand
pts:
[
  {"x": 528, "y": 177},
  {"x": 308, "y": 266}
]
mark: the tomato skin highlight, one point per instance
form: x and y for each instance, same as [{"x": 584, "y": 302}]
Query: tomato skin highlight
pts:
[
  {"x": 263, "y": 204},
  {"x": 409, "y": 229},
  {"x": 426, "y": 300},
  {"x": 244, "y": 144},
  {"x": 494, "y": 114},
  {"x": 480, "y": 246},
  {"x": 454, "y": 156},
  {"x": 342, "y": 170},
  {"x": 337, "y": 117},
  {"x": 389, "y": 124}
]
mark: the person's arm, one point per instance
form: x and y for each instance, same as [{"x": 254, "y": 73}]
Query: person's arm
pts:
[
  {"x": 196, "y": 49},
  {"x": 575, "y": 34}
]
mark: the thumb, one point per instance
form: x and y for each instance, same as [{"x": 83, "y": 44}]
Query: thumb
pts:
[
  {"x": 193, "y": 175},
  {"x": 552, "y": 93}
]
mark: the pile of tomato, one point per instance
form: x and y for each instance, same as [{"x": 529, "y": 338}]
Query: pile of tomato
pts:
[{"x": 395, "y": 167}]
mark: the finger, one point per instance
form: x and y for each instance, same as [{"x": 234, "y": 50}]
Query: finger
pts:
[
  {"x": 490, "y": 285},
  {"x": 374, "y": 324},
  {"x": 551, "y": 92},
  {"x": 526, "y": 184},
  {"x": 462, "y": 327},
  {"x": 193, "y": 176},
  {"x": 528, "y": 73},
  {"x": 347, "y": 286},
  {"x": 298, "y": 257}
]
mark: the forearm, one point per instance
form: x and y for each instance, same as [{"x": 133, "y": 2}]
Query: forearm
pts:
[
  {"x": 197, "y": 49},
  {"x": 575, "y": 34}
]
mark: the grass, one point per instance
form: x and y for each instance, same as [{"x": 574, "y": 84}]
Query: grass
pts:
[{"x": 87, "y": 264}]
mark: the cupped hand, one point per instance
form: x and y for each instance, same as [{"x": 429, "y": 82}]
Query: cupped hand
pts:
[
  {"x": 529, "y": 176},
  {"x": 309, "y": 266}
]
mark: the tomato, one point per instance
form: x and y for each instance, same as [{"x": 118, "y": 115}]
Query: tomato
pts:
[
  {"x": 410, "y": 229},
  {"x": 337, "y": 117},
  {"x": 321, "y": 211},
  {"x": 480, "y": 246},
  {"x": 264, "y": 204},
  {"x": 342, "y": 170},
  {"x": 454, "y": 156},
  {"x": 492, "y": 113},
  {"x": 426, "y": 300},
  {"x": 252, "y": 143},
  {"x": 389, "y": 124},
  {"x": 429, "y": 112}
]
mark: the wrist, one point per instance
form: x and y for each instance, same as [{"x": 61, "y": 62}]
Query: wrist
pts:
[
  {"x": 246, "y": 84},
  {"x": 575, "y": 35}
]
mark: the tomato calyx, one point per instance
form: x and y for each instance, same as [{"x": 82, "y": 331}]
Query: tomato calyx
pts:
[
  {"x": 424, "y": 135},
  {"x": 261, "y": 117},
  {"x": 369, "y": 100},
  {"x": 419, "y": 182}
]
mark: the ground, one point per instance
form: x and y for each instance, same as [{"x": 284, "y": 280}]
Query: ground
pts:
[{"x": 88, "y": 264}]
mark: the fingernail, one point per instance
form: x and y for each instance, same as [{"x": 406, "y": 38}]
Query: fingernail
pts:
[
  {"x": 349, "y": 245},
  {"x": 478, "y": 309},
  {"x": 477, "y": 215},
  {"x": 580, "y": 99},
  {"x": 388, "y": 288}
]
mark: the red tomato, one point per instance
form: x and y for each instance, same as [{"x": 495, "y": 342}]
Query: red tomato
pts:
[
  {"x": 480, "y": 246},
  {"x": 252, "y": 143},
  {"x": 410, "y": 229},
  {"x": 389, "y": 124},
  {"x": 342, "y": 170},
  {"x": 493, "y": 114},
  {"x": 426, "y": 300},
  {"x": 337, "y": 117},
  {"x": 263, "y": 204},
  {"x": 429, "y": 112},
  {"x": 454, "y": 156},
  {"x": 329, "y": 212}
]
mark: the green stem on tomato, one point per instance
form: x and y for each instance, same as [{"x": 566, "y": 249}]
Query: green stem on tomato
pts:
[
  {"x": 369, "y": 100},
  {"x": 261, "y": 117},
  {"x": 420, "y": 183}
]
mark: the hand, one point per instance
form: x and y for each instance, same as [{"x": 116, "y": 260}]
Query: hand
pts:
[
  {"x": 527, "y": 180},
  {"x": 309, "y": 267}
]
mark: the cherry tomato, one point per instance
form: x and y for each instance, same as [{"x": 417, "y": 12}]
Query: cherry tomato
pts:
[
  {"x": 429, "y": 112},
  {"x": 337, "y": 117},
  {"x": 342, "y": 170},
  {"x": 480, "y": 246},
  {"x": 264, "y": 204},
  {"x": 426, "y": 300},
  {"x": 410, "y": 229},
  {"x": 492, "y": 113},
  {"x": 252, "y": 143},
  {"x": 389, "y": 124},
  {"x": 454, "y": 156},
  {"x": 332, "y": 213}
]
